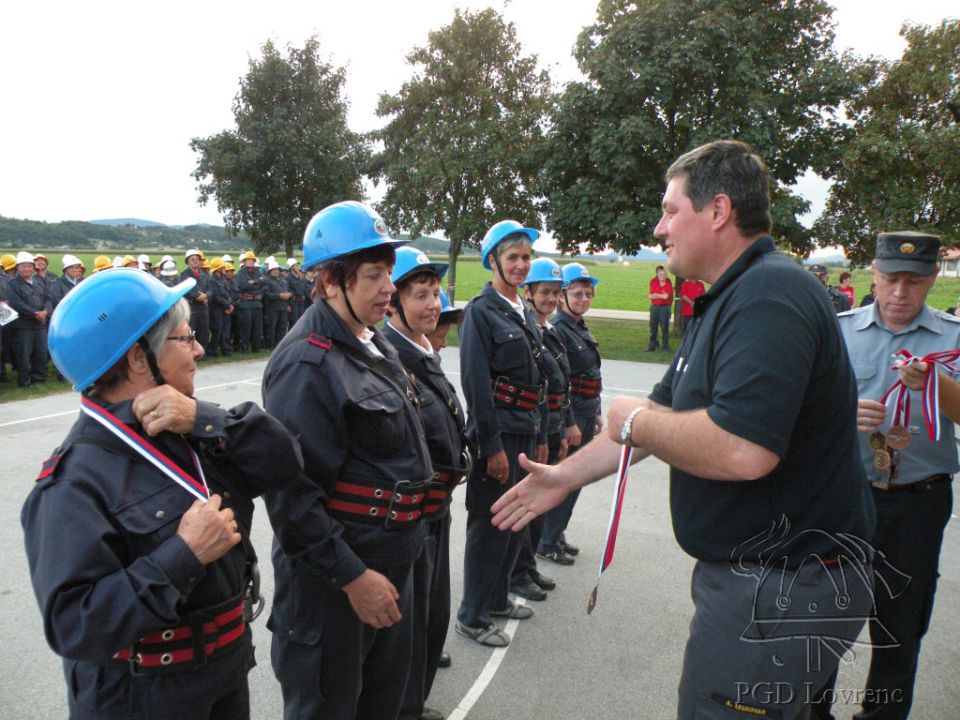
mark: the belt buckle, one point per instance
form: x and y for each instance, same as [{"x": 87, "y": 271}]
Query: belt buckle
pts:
[{"x": 134, "y": 662}]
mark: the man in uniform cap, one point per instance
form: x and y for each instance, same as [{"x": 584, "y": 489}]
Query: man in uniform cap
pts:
[
  {"x": 910, "y": 480},
  {"x": 198, "y": 297},
  {"x": 839, "y": 300},
  {"x": 28, "y": 295}
]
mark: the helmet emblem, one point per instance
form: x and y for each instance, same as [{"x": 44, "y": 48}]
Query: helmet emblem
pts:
[
  {"x": 422, "y": 259},
  {"x": 380, "y": 226},
  {"x": 555, "y": 272}
]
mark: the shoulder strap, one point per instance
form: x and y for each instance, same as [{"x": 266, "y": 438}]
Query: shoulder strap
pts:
[{"x": 531, "y": 341}]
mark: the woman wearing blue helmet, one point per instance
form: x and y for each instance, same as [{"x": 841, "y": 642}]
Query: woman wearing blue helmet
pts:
[
  {"x": 501, "y": 360},
  {"x": 414, "y": 311},
  {"x": 137, "y": 531},
  {"x": 350, "y": 528},
  {"x": 585, "y": 387}
]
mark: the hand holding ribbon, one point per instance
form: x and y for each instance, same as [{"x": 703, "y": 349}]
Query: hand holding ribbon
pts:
[{"x": 912, "y": 369}]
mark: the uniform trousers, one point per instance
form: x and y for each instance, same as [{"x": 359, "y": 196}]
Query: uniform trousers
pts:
[
  {"x": 343, "y": 669},
  {"x": 659, "y": 318},
  {"x": 30, "y": 354},
  {"x": 490, "y": 554},
  {"x": 216, "y": 330},
  {"x": 251, "y": 326},
  {"x": 200, "y": 324},
  {"x": 275, "y": 326},
  {"x": 756, "y": 649},
  {"x": 431, "y": 579},
  {"x": 525, "y": 568},
  {"x": 296, "y": 310},
  {"x": 555, "y": 522}
]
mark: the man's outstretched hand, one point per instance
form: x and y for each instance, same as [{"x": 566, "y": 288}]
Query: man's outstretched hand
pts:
[{"x": 538, "y": 492}]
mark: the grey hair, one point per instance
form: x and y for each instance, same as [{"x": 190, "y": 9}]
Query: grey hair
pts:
[
  {"x": 510, "y": 242},
  {"x": 156, "y": 338}
]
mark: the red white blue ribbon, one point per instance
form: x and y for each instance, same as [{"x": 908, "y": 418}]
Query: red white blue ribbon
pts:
[
  {"x": 148, "y": 451},
  {"x": 930, "y": 390},
  {"x": 616, "y": 507}
]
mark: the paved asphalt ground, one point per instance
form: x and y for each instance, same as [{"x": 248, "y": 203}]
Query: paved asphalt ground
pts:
[{"x": 621, "y": 662}]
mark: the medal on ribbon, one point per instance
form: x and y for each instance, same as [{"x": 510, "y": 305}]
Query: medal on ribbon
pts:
[{"x": 623, "y": 470}]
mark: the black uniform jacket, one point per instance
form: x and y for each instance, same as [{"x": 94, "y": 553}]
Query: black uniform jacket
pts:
[
  {"x": 59, "y": 289},
  {"x": 272, "y": 290},
  {"x": 202, "y": 286},
  {"x": 583, "y": 356},
  {"x": 27, "y": 299},
  {"x": 250, "y": 282},
  {"x": 106, "y": 563},
  {"x": 354, "y": 426},
  {"x": 443, "y": 419},
  {"x": 221, "y": 292},
  {"x": 492, "y": 345},
  {"x": 558, "y": 380}
]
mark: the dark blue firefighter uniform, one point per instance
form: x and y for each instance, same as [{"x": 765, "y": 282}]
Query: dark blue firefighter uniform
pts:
[
  {"x": 251, "y": 284},
  {"x": 560, "y": 418},
  {"x": 356, "y": 506},
  {"x": 221, "y": 298},
  {"x": 300, "y": 288},
  {"x": 443, "y": 422},
  {"x": 275, "y": 310},
  {"x": 109, "y": 569},
  {"x": 495, "y": 350},
  {"x": 199, "y": 310},
  {"x": 586, "y": 385},
  {"x": 29, "y": 334}
]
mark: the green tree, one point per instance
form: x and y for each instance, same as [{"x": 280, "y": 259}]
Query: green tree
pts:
[
  {"x": 902, "y": 169},
  {"x": 291, "y": 152},
  {"x": 457, "y": 153},
  {"x": 664, "y": 76}
]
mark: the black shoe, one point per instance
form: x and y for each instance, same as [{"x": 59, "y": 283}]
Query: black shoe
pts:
[
  {"x": 571, "y": 549},
  {"x": 429, "y": 714},
  {"x": 543, "y": 582},
  {"x": 651, "y": 349},
  {"x": 528, "y": 590},
  {"x": 445, "y": 660},
  {"x": 557, "y": 556},
  {"x": 666, "y": 348}
]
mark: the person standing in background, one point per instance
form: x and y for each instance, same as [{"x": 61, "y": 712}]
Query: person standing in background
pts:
[
  {"x": 690, "y": 290},
  {"x": 661, "y": 298},
  {"x": 846, "y": 287}
]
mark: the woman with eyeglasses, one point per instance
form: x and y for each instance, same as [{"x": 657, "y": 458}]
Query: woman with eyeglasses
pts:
[
  {"x": 137, "y": 530},
  {"x": 585, "y": 388}
]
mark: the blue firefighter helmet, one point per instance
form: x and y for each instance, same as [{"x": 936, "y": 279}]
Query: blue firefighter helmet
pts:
[
  {"x": 411, "y": 261},
  {"x": 341, "y": 229},
  {"x": 543, "y": 270},
  {"x": 500, "y": 231},
  {"x": 577, "y": 271},
  {"x": 103, "y": 317}
]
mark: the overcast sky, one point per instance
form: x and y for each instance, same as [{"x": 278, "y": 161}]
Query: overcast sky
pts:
[{"x": 100, "y": 99}]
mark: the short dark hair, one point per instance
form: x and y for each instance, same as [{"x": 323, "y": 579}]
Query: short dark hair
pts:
[
  {"x": 845, "y": 276},
  {"x": 348, "y": 265},
  {"x": 731, "y": 168}
]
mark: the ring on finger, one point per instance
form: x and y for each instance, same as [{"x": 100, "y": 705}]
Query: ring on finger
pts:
[{"x": 154, "y": 414}]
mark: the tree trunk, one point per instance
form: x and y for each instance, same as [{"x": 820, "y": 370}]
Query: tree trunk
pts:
[{"x": 454, "y": 252}]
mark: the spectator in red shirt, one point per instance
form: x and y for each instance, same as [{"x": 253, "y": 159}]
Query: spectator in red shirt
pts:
[
  {"x": 689, "y": 291},
  {"x": 661, "y": 297},
  {"x": 846, "y": 287}
]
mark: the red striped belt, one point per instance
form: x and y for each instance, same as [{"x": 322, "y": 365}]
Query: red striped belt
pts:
[
  {"x": 512, "y": 394},
  {"x": 207, "y": 634},
  {"x": 557, "y": 401},
  {"x": 248, "y": 296},
  {"x": 585, "y": 386},
  {"x": 401, "y": 505},
  {"x": 440, "y": 490}
]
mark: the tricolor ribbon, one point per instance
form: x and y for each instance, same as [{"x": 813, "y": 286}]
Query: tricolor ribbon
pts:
[
  {"x": 148, "y": 451},
  {"x": 930, "y": 391},
  {"x": 623, "y": 470}
]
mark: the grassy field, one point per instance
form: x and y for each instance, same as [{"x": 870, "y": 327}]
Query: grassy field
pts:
[{"x": 622, "y": 287}]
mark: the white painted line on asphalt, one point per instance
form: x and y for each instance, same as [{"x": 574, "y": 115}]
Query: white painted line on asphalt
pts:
[
  {"x": 486, "y": 675},
  {"x": 75, "y": 411}
]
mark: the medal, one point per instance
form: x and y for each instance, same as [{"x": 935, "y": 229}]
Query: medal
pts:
[
  {"x": 877, "y": 441},
  {"x": 898, "y": 437},
  {"x": 881, "y": 460}
]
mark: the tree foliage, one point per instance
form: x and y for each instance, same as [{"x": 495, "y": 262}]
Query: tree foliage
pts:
[
  {"x": 902, "y": 169},
  {"x": 664, "y": 76},
  {"x": 291, "y": 152},
  {"x": 458, "y": 150}
]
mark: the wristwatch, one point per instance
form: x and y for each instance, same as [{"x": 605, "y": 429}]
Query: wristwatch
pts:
[{"x": 626, "y": 430}]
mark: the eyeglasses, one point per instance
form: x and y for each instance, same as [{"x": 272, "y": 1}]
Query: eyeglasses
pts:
[
  {"x": 191, "y": 338},
  {"x": 582, "y": 294}
]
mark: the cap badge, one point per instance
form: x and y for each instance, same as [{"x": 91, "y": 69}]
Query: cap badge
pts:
[{"x": 907, "y": 248}]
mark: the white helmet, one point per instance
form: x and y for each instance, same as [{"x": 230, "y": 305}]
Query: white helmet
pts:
[
  {"x": 169, "y": 269},
  {"x": 291, "y": 262},
  {"x": 272, "y": 264},
  {"x": 227, "y": 258},
  {"x": 70, "y": 261},
  {"x": 143, "y": 261}
]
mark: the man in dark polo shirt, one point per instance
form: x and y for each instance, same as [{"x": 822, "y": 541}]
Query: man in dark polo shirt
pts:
[{"x": 756, "y": 416}]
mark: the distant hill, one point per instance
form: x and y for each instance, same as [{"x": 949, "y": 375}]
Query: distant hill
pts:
[
  {"x": 837, "y": 259},
  {"x": 135, "y": 222}
]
